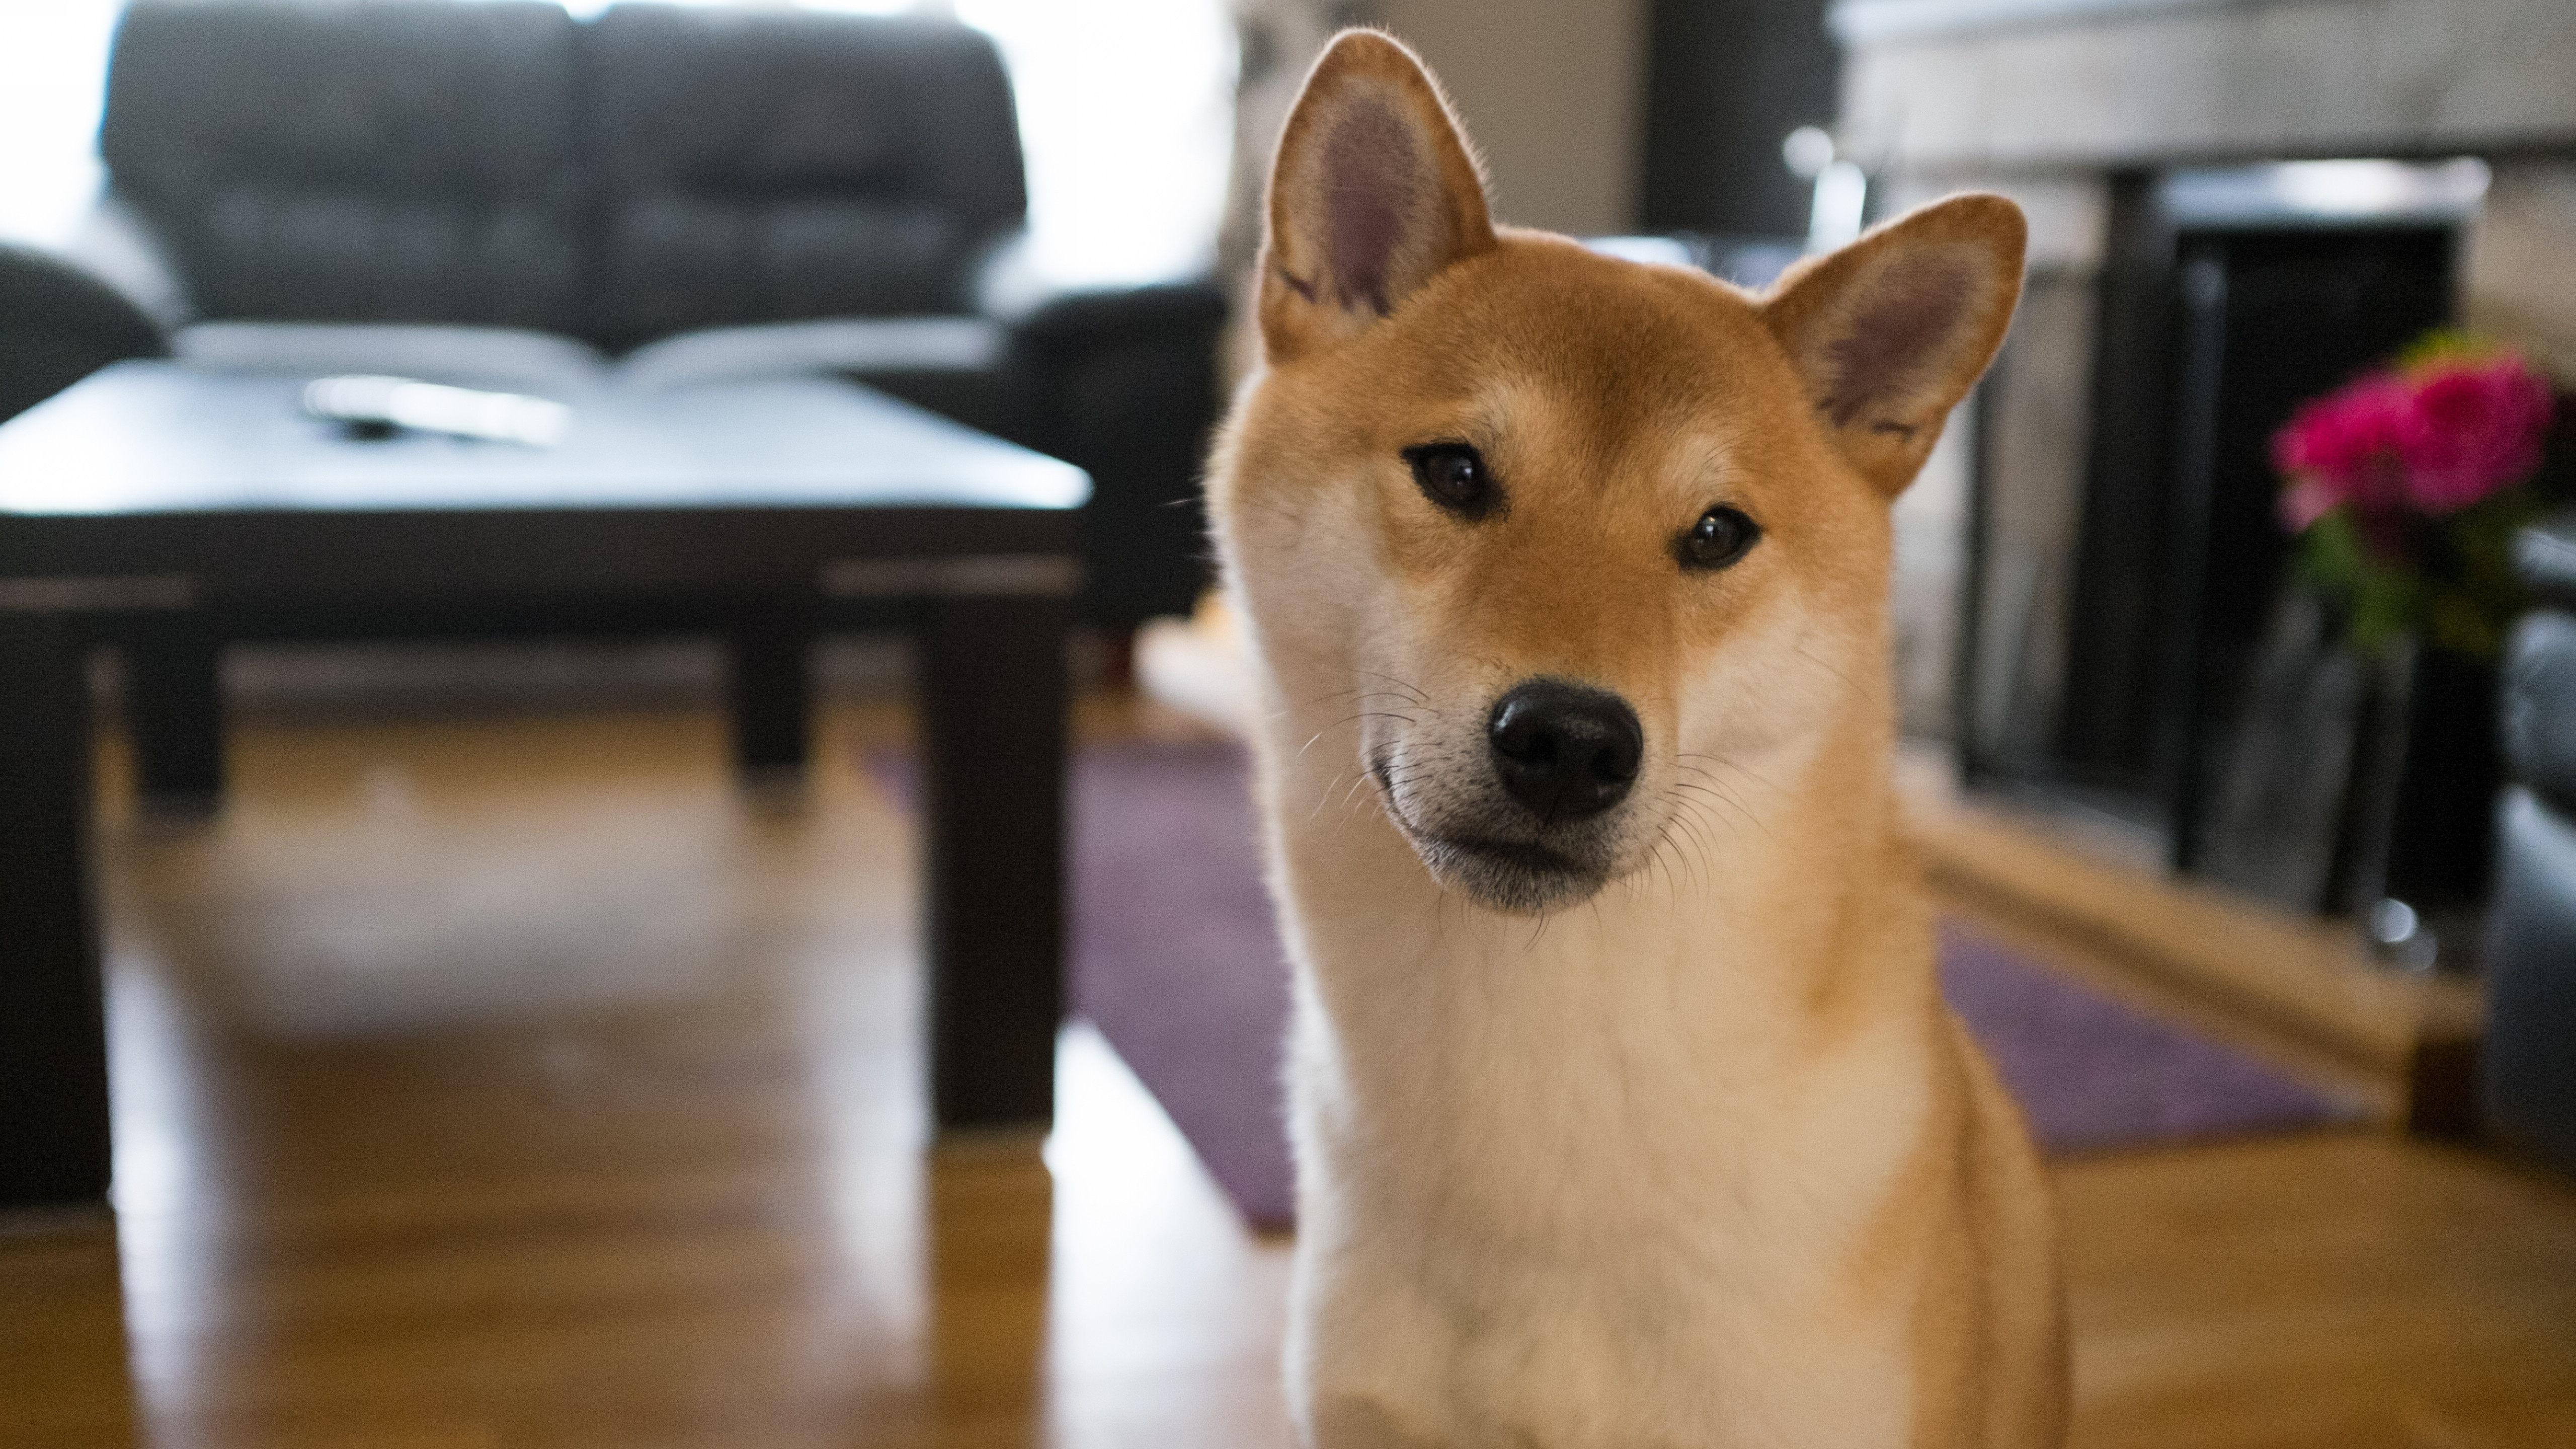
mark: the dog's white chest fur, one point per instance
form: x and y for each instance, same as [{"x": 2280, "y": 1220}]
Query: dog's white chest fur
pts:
[{"x": 1574, "y": 1184}]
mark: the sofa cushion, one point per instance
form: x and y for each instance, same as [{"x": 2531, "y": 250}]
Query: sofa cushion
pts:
[
  {"x": 831, "y": 345},
  {"x": 760, "y": 166},
  {"x": 677, "y": 263},
  {"x": 308, "y": 160},
  {"x": 501, "y": 357}
]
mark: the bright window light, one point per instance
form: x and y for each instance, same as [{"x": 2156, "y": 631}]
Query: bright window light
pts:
[
  {"x": 53, "y": 74},
  {"x": 1127, "y": 115}
]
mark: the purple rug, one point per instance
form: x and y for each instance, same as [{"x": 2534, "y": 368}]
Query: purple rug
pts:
[{"x": 1176, "y": 961}]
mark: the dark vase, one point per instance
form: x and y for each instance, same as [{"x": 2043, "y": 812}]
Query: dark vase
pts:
[
  {"x": 2355, "y": 777},
  {"x": 2441, "y": 831}
]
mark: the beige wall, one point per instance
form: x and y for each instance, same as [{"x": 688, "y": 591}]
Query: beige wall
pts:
[
  {"x": 1552, "y": 91},
  {"x": 2521, "y": 265}
]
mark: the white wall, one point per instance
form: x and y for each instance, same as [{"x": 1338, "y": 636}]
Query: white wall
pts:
[{"x": 1553, "y": 92}]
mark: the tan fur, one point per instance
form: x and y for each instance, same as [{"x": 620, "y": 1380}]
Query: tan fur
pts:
[{"x": 1694, "y": 1154}]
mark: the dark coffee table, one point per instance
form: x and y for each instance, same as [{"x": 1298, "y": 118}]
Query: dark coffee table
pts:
[{"x": 152, "y": 505}]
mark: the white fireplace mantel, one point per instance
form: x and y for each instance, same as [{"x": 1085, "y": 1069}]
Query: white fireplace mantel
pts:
[{"x": 1990, "y": 88}]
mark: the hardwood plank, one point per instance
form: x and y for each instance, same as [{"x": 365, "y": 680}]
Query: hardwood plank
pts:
[
  {"x": 2340, "y": 1289},
  {"x": 63, "y": 1375}
]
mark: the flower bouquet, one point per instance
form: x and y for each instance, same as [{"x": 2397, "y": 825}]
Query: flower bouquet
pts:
[{"x": 2405, "y": 488}]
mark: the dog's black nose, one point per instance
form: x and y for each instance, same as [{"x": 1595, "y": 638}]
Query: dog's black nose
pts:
[{"x": 1565, "y": 751}]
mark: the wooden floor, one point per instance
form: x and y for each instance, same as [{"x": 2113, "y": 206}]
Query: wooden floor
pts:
[{"x": 513, "y": 1082}]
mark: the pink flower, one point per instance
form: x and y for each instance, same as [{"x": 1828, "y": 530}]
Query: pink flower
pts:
[
  {"x": 2307, "y": 499},
  {"x": 2433, "y": 439},
  {"x": 2343, "y": 449},
  {"x": 2473, "y": 429}
]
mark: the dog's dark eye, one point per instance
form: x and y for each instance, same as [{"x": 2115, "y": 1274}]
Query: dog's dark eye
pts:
[
  {"x": 1454, "y": 476},
  {"x": 1721, "y": 536}
]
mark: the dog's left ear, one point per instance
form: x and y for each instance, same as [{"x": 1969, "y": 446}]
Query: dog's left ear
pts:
[
  {"x": 1374, "y": 192},
  {"x": 1890, "y": 331}
]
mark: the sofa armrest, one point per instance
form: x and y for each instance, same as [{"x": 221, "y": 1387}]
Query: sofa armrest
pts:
[
  {"x": 1123, "y": 384},
  {"x": 2544, "y": 555},
  {"x": 58, "y": 324},
  {"x": 118, "y": 246},
  {"x": 2530, "y": 1051}
]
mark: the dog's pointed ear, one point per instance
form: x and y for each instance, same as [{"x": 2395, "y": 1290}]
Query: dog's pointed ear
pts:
[
  {"x": 1890, "y": 332},
  {"x": 1373, "y": 193}
]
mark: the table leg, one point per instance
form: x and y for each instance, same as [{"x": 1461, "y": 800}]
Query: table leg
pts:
[
  {"x": 769, "y": 689},
  {"x": 53, "y": 1025},
  {"x": 174, "y": 704},
  {"x": 993, "y": 747}
]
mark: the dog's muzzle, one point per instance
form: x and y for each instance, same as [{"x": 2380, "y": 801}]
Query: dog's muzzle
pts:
[{"x": 1532, "y": 831}]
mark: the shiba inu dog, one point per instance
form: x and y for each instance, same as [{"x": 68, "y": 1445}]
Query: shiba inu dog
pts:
[{"x": 1628, "y": 1112}]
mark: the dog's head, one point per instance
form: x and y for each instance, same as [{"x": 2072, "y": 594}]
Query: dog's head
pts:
[{"x": 1571, "y": 544}]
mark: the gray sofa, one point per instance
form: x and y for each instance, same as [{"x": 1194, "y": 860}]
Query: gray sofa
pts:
[
  {"x": 654, "y": 170},
  {"x": 2530, "y": 1052},
  {"x": 843, "y": 190}
]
